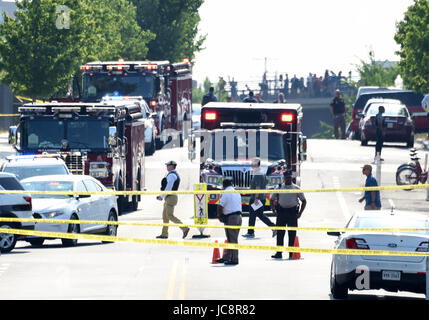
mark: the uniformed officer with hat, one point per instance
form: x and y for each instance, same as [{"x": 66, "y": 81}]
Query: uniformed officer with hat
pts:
[
  {"x": 170, "y": 182},
  {"x": 288, "y": 211}
]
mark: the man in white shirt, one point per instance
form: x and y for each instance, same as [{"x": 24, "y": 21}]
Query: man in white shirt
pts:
[
  {"x": 170, "y": 182},
  {"x": 229, "y": 208}
]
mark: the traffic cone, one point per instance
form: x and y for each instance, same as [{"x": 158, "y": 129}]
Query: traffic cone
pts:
[
  {"x": 296, "y": 255},
  {"x": 216, "y": 254}
]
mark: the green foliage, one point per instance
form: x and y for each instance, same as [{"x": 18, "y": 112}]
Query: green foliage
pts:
[
  {"x": 175, "y": 24},
  {"x": 374, "y": 74},
  {"x": 38, "y": 58},
  {"x": 201, "y": 90},
  {"x": 412, "y": 35}
]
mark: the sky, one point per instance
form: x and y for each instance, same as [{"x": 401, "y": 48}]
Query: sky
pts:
[{"x": 294, "y": 36}]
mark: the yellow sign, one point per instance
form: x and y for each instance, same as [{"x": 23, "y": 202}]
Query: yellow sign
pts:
[{"x": 201, "y": 207}]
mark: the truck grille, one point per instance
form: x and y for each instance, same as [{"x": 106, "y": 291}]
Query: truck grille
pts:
[
  {"x": 240, "y": 179},
  {"x": 75, "y": 164}
]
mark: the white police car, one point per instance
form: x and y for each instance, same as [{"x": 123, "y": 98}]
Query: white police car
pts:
[{"x": 26, "y": 166}]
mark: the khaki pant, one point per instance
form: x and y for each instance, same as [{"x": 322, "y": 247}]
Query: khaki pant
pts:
[{"x": 168, "y": 214}]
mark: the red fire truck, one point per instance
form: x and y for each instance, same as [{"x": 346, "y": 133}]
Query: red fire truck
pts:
[
  {"x": 104, "y": 140},
  {"x": 166, "y": 87},
  {"x": 232, "y": 134}
]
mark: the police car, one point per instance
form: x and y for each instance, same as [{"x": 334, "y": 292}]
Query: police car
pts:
[{"x": 26, "y": 166}]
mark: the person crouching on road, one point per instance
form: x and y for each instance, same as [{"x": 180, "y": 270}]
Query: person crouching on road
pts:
[
  {"x": 287, "y": 211},
  {"x": 259, "y": 181},
  {"x": 372, "y": 198},
  {"x": 229, "y": 212},
  {"x": 170, "y": 182}
]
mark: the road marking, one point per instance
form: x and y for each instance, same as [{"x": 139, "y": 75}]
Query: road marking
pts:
[
  {"x": 182, "y": 288},
  {"x": 340, "y": 197},
  {"x": 170, "y": 290}
]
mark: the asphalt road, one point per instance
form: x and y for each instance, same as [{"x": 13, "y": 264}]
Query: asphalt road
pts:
[{"x": 125, "y": 270}]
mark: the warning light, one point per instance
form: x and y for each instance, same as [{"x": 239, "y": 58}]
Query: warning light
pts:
[
  {"x": 287, "y": 117},
  {"x": 120, "y": 68},
  {"x": 121, "y": 60},
  {"x": 153, "y": 103},
  {"x": 210, "y": 116},
  {"x": 186, "y": 60}
]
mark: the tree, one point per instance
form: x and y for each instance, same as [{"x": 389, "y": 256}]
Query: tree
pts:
[
  {"x": 42, "y": 47},
  {"x": 413, "y": 38},
  {"x": 175, "y": 24},
  {"x": 377, "y": 74}
]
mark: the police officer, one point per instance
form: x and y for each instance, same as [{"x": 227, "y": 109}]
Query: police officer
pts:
[
  {"x": 338, "y": 111},
  {"x": 229, "y": 208},
  {"x": 379, "y": 130},
  {"x": 288, "y": 211},
  {"x": 170, "y": 182},
  {"x": 209, "y": 97}
]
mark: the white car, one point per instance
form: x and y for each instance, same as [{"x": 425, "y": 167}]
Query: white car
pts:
[
  {"x": 13, "y": 206},
  {"x": 26, "y": 166},
  {"x": 66, "y": 207},
  {"x": 369, "y": 272}
]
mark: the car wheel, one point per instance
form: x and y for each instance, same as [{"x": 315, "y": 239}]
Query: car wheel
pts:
[
  {"x": 72, "y": 228},
  {"x": 338, "y": 291},
  {"x": 7, "y": 240},
  {"x": 36, "y": 242},
  {"x": 112, "y": 229}
]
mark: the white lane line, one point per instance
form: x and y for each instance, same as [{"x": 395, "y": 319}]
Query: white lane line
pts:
[
  {"x": 170, "y": 290},
  {"x": 341, "y": 200}
]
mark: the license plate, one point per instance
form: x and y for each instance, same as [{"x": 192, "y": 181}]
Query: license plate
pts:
[
  {"x": 391, "y": 275},
  {"x": 390, "y": 125}
]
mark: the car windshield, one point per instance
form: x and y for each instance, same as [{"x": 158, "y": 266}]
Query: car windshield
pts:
[
  {"x": 390, "y": 110},
  {"x": 10, "y": 183},
  {"x": 392, "y": 222},
  {"x": 23, "y": 172},
  {"x": 77, "y": 134},
  {"x": 99, "y": 85},
  {"x": 241, "y": 145},
  {"x": 49, "y": 186}
]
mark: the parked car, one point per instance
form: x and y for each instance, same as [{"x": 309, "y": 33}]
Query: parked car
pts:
[
  {"x": 150, "y": 129},
  {"x": 410, "y": 98},
  {"x": 399, "y": 126},
  {"x": 391, "y": 273},
  {"x": 13, "y": 206},
  {"x": 196, "y": 116},
  {"x": 27, "y": 166},
  {"x": 77, "y": 207}
]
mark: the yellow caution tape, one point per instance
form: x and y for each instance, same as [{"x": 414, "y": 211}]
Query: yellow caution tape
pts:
[
  {"x": 191, "y": 192},
  {"x": 9, "y": 114},
  {"x": 46, "y": 234},
  {"x": 20, "y": 98},
  {"x": 145, "y": 224}
]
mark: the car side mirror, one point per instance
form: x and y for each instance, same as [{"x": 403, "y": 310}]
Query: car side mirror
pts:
[
  {"x": 154, "y": 115},
  {"x": 360, "y": 115},
  {"x": 113, "y": 141},
  {"x": 334, "y": 233},
  {"x": 12, "y": 134}
]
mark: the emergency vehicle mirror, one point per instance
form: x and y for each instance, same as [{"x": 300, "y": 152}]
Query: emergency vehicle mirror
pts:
[
  {"x": 154, "y": 115},
  {"x": 12, "y": 134},
  {"x": 112, "y": 137}
]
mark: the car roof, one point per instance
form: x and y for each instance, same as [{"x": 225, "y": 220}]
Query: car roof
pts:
[
  {"x": 388, "y": 214},
  {"x": 32, "y": 160},
  {"x": 60, "y": 177},
  {"x": 383, "y": 100},
  {"x": 7, "y": 175}
]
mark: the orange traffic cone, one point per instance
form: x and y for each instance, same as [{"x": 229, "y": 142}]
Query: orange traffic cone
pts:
[
  {"x": 296, "y": 255},
  {"x": 216, "y": 254},
  {"x": 223, "y": 251}
]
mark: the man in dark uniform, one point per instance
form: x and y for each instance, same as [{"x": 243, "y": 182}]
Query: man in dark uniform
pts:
[
  {"x": 338, "y": 111},
  {"x": 170, "y": 182},
  {"x": 209, "y": 97},
  {"x": 250, "y": 98},
  {"x": 288, "y": 211}
]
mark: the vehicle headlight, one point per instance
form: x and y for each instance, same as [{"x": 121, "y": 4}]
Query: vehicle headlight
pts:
[
  {"x": 99, "y": 169},
  {"x": 53, "y": 214},
  {"x": 275, "y": 180},
  {"x": 213, "y": 180}
]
